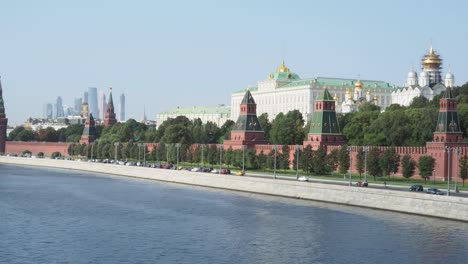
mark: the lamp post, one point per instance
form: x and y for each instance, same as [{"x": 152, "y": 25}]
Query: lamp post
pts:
[
  {"x": 177, "y": 146},
  {"x": 448, "y": 149},
  {"x": 220, "y": 156},
  {"x": 297, "y": 162},
  {"x": 243, "y": 158},
  {"x": 202, "y": 160},
  {"x": 457, "y": 151},
  {"x": 116, "y": 144},
  {"x": 92, "y": 148},
  {"x": 366, "y": 149},
  {"x": 139, "y": 151},
  {"x": 274, "y": 172},
  {"x": 350, "y": 164}
]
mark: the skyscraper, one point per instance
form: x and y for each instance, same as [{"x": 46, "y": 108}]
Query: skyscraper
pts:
[
  {"x": 85, "y": 97},
  {"x": 77, "y": 106},
  {"x": 59, "y": 108},
  {"x": 122, "y": 108},
  {"x": 102, "y": 103},
  {"x": 93, "y": 101},
  {"x": 48, "y": 111}
]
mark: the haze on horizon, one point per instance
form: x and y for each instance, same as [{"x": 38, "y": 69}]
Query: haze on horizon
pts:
[{"x": 183, "y": 53}]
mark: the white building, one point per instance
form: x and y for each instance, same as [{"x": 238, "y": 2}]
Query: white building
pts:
[
  {"x": 284, "y": 91},
  {"x": 428, "y": 84},
  {"x": 218, "y": 115}
]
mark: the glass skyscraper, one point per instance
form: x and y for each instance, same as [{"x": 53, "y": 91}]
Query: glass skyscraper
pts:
[
  {"x": 122, "y": 108},
  {"x": 93, "y": 101}
]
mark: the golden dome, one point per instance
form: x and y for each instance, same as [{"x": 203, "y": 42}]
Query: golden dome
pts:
[
  {"x": 335, "y": 98},
  {"x": 431, "y": 59},
  {"x": 368, "y": 91},
  {"x": 375, "y": 98},
  {"x": 358, "y": 84},
  {"x": 283, "y": 68}
]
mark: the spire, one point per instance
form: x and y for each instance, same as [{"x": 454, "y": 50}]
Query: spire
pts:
[
  {"x": 109, "y": 118},
  {"x": 3, "y": 122},
  {"x": 111, "y": 102},
  {"x": 2, "y": 105}
]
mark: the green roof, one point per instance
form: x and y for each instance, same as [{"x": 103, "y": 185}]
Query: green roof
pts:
[
  {"x": 330, "y": 83},
  {"x": 225, "y": 110},
  {"x": 324, "y": 123},
  {"x": 248, "y": 99},
  {"x": 324, "y": 96},
  {"x": 247, "y": 123}
]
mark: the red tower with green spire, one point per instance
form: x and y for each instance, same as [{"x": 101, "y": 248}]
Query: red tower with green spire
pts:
[
  {"x": 448, "y": 126},
  {"x": 110, "y": 119},
  {"x": 247, "y": 130},
  {"x": 89, "y": 131},
  {"x": 324, "y": 128},
  {"x": 3, "y": 122}
]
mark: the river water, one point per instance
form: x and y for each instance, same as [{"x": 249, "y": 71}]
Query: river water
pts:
[{"x": 63, "y": 216}]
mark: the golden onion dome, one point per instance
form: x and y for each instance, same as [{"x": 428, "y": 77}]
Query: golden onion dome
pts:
[
  {"x": 335, "y": 98},
  {"x": 375, "y": 98},
  {"x": 283, "y": 68},
  {"x": 368, "y": 91},
  {"x": 358, "y": 84},
  {"x": 432, "y": 58}
]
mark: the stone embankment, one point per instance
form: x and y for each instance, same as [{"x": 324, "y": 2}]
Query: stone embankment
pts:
[{"x": 448, "y": 207}]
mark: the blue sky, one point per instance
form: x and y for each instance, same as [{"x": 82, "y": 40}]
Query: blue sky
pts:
[{"x": 164, "y": 54}]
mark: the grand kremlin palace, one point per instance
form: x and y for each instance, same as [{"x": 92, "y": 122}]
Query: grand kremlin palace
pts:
[{"x": 283, "y": 91}]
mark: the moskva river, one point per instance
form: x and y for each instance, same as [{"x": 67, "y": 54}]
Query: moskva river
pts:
[{"x": 61, "y": 216}]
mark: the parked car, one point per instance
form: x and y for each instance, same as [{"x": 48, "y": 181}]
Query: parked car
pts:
[
  {"x": 303, "y": 178},
  {"x": 362, "y": 184},
  {"x": 416, "y": 188},
  {"x": 196, "y": 169},
  {"x": 435, "y": 191},
  {"x": 214, "y": 171},
  {"x": 225, "y": 171},
  {"x": 240, "y": 173}
]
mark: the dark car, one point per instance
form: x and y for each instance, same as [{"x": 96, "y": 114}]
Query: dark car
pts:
[
  {"x": 435, "y": 191},
  {"x": 362, "y": 184},
  {"x": 416, "y": 188},
  {"x": 225, "y": 171}
]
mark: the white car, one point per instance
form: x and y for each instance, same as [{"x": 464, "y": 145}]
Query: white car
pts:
[
  {"x": 195, "y": 169},
  {"x": 214, "y": 171},
  {"x": 303, "y": 178}
]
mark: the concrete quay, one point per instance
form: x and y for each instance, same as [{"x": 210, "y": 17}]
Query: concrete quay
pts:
[{"x": 448, "y": 207}]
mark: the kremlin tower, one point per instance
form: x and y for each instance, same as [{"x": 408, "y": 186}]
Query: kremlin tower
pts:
[
  {"x": 109, "y": 118},
  {"x": 89, "y": 131},
  {"x": 3, "y": 122}
]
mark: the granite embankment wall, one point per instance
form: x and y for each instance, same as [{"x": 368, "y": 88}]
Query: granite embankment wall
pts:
[{"x": 406, "y": 202}]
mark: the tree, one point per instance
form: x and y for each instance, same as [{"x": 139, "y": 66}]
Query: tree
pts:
[
  {"x": 408, "y": 165},
  {"x": 283, "y": 158},
  {"x": 262, "y": 160},
  {"x": 306, "y": 159},
  {"x": 360, "y": 161},
  {"x": 333, "y": 160},
  {"x": 387, "y": 161},
  {"x": 343, "y": 159},
  {"x": 288, "y": 129},
  {"x": 319, "y": 162},
  {"x": 426, "y": 166},
  {"x": 265, "y": 124},
  {"x": 464, "y": 169},
  {"x": 373, "y": 164}
]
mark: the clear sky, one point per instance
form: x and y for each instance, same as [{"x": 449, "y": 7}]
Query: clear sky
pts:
[{"x": 164, "y": 54}]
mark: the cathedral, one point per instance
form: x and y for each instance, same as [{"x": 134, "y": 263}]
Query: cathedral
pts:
[{"x": 429, "y": 83}]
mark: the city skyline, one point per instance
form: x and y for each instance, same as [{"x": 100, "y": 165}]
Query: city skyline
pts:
[{"x": 155, "y": 57}]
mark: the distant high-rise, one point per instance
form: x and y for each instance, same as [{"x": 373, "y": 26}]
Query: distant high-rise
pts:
[
  {"x": 77, "y": 106},
  {"x": 48, "y": 111},
  {"x": 59, "y": 108},
  {"x": 93, "y": 101},
  {"x": 122, "y": 108},
  {"x": 102, "y": 103},
  {"x": 85, "y": 97}
]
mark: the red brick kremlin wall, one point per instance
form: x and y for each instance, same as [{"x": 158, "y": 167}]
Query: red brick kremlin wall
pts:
[{"x": 17, "y": 147}]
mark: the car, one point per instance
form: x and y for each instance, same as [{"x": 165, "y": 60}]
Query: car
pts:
[
  {"x": 214, "y": 171},
  {"x": 225, "y": 171},
  {"x": 196, "y": 169},
  {"x": 435, "y": 191},
  {"x": 240, "y": 173},
  {"x": 362, "y": 184},
  {"x": 416, "y": 188},
  {"x": 303, "y": 178}
]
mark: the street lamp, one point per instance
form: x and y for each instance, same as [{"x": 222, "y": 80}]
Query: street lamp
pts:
[
  {"x": 243, "y": 157},
  {"x": 274, "y": 172},
  {"x": 139, "y": 151},
  {"x": 448, "y": 149},
  {"x": 177, "y": 146},
  {"x": 220, "y": 156},
  {"x": 297, "y": 162},
  {"x": 116, "y": 144},
  {"x": 366, "y": 149},
  {"x": 350, "y": 164},
  {"x": 202, "y": 161}
]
